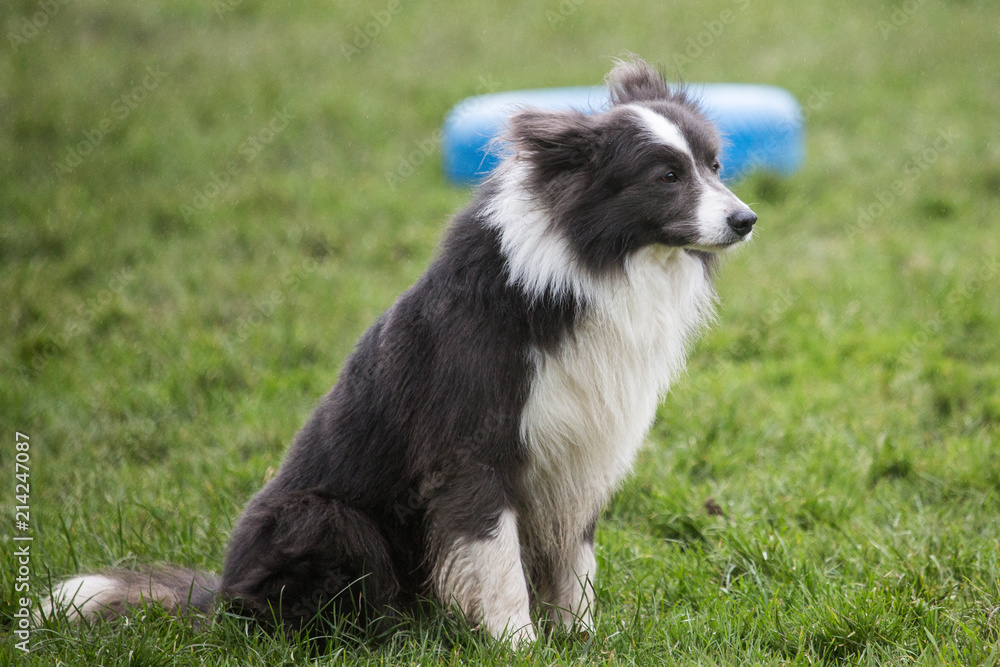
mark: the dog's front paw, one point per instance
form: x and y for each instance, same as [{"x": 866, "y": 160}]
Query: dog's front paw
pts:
[{"x": 521, "y": 636}]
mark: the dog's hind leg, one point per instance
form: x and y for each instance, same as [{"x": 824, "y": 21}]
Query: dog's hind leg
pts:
[{"x": 294, "y": 555}]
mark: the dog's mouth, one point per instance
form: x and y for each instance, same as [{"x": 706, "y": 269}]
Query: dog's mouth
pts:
[{"x": 722, "y": 246}]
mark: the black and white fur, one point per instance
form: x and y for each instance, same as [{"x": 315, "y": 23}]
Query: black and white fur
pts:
[{"x": 485, "y": 419}]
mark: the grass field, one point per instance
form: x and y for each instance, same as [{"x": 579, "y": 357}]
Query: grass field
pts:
[{"x": 203, "y": 205}]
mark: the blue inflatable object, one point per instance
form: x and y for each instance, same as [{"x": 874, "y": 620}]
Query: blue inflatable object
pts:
[{"x": 762, "y": 126}]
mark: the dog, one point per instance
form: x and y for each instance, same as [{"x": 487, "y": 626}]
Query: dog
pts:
[{"x": 483, "y": 421}]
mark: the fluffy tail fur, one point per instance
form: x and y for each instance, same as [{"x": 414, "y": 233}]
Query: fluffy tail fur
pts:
[{"x": 111, "y": 594}]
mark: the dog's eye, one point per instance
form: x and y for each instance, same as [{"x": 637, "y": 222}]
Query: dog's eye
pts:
[
  {"x": 669, "y": 177},
  {"x": 716, "y": 167}
]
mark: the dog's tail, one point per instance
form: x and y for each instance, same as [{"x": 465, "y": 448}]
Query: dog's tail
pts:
[{"x": 114, "y": 592}]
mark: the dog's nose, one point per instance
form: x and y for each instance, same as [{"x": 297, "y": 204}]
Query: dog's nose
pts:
[{"x": 742, "y": 221}]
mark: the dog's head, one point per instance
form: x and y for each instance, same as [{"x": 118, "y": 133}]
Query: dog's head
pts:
[{"x": 644, "y": 172}]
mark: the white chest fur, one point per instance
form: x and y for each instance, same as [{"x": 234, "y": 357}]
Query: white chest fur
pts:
[{"x": 594, "y": 397}]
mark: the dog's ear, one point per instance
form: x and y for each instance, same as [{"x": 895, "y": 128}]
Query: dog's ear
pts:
[
  {"x": 636, "y": 80},
  {"x": 554, "y": 142}
]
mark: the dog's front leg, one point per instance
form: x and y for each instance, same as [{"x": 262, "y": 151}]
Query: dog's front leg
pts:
[
  {"x": 483, "y": 575},
  {"x": 570, "y": 593}
]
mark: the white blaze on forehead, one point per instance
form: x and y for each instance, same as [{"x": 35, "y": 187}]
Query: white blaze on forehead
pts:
[{"x": 662, "y": 129}]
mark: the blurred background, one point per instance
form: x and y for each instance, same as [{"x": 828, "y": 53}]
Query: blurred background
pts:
[{"x": 203, "y": 204}]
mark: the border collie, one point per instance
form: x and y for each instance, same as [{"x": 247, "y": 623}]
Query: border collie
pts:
[{"x": 484, "y": 420}]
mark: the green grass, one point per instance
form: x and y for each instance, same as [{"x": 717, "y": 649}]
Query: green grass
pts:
[{"x": 162, "y": 339}]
